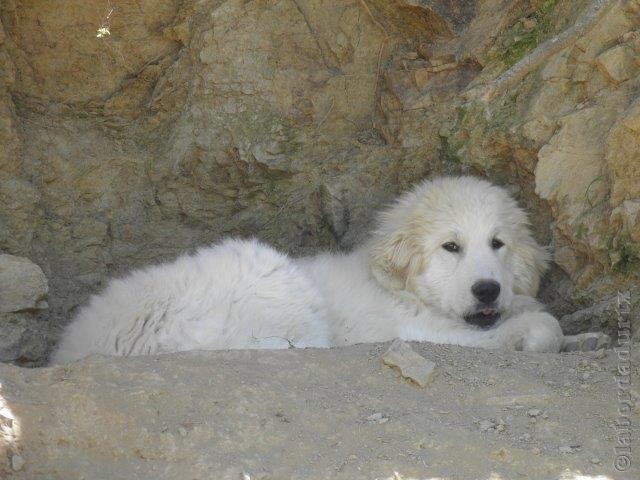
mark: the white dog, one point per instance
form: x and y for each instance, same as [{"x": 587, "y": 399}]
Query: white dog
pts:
[{"x": 453, "y": 261}]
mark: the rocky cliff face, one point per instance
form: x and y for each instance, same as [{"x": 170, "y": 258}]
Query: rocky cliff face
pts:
[{"x": 132, "y": 131}]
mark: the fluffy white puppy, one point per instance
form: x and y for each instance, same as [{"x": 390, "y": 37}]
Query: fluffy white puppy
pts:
[{"x": 453, "y": 261}]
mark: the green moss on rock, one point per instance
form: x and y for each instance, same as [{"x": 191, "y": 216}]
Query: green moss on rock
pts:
[{"x": 525, "y": 35}]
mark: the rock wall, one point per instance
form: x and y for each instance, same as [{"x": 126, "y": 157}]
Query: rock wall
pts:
[{"x": 133, "y": 131}]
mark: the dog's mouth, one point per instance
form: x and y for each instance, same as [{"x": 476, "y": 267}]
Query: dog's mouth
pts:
[{"x": 484, "y": 318}]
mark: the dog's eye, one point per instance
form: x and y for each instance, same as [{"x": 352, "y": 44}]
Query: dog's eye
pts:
[
  {"x": 451, "y": 247},
  {"x": 497, "y": 244}
]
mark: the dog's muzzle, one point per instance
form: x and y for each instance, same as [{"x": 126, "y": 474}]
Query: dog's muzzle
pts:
[{"x": 483, "y": 318}]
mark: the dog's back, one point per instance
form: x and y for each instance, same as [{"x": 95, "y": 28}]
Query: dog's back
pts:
[{"x": 238, "y": 294}]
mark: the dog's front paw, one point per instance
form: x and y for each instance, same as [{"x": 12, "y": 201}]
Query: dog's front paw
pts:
[
  {"x": 585, "y": 342},
  {"x": 533, "y": 332}
]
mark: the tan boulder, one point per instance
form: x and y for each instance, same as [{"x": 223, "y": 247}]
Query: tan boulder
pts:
[
  {"x": 23, "y": 286},
  {"x": 623, "y": 155},
  {"x": 619, "y": 63},
  {"x": 570, "y": 164}
]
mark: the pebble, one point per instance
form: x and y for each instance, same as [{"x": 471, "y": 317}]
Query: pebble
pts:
[
  {"x": 182, "y": 431},
  {"x": 377, "y": 417},
  {"x": 536, "y": 451},
  {"x": 600, "y": 353},
  {"x": 17, "y": 462},
  {"x": 595, "y": 460},
  {"x": 566, "y": 449},
  {"x": 486, "y": 425},
  {"x": 534, "y": 412},
  {"x": 412, "y": 366}
]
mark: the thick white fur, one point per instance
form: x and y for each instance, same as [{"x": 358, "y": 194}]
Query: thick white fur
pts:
[{"x": 402, "y": 283}]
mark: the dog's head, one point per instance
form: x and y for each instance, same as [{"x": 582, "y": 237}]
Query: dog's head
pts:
[{"x": 460, "y": 245}]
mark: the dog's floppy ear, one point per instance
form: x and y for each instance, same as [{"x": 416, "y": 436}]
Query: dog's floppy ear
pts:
[
  {"x": 394, "y": 254},
  {"x": 530, "y": 261}
]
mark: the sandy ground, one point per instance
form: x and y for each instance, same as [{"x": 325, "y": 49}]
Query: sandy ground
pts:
[{"x": 318, "y": 414}]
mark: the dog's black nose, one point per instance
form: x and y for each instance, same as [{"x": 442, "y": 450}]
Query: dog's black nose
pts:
[{"x": 486, "y": 290}]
